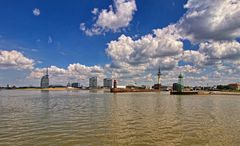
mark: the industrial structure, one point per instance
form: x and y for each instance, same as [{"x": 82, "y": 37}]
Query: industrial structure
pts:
[
  {"x": 178, "y": 88},
  {"x": 93, "y": 82},
  {"x": 45, "y": 80},
  {"x": 107, "y": 83}
]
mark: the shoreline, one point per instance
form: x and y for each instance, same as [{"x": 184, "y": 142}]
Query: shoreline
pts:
[
  {"x": 48, "y": 89},
  {"x": 126, "y": 91}
]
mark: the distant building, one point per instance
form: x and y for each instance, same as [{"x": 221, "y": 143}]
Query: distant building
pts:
[
  {"x": 235, "y": 86},
  {"x": 45, "y": 81},
  {"x": 165, "y": 88},
  {"x": 180, "y": 83},
  {"x": 179, "y": 87},
  {"x": 107, "y": 83},
  {"x": 175, "y": 86},
  {"x": 93, "y": 82},
  {"x": 76, "y": 85},
  {"x": 68, "y": 84}
]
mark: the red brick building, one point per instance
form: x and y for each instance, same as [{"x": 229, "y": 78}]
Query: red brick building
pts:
[{"x": 235, "y": 86}]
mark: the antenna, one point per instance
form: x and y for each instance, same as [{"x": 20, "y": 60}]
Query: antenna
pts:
[
  {"x": 159, "y": 74},
  {"x": 47, "y": 71},
  {"x": 159, "y": 71}
]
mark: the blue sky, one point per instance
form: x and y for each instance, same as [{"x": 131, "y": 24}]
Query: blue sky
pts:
[
  {"x": 60, "y": 20},
  {"x": 54, "y": 37}
]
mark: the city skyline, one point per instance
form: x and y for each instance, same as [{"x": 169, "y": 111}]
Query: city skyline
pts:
[{"x": 125, "y": 40}]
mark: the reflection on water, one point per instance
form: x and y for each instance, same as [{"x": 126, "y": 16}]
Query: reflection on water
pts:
[{"x": 66, "y": 118}]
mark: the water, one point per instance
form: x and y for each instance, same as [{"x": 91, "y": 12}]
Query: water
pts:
[{"x": 81, "y": 118}]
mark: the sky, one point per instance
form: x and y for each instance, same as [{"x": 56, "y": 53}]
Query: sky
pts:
[{"x": 127, "y": 40}]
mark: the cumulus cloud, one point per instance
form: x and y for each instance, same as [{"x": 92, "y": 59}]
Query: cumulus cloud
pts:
[
  {"x": 212, "y": 25},
  {"x": 36, "y": 12},
  {"x": 14, "y": 60},
  {"x": 194, "y": 57},
  {"x": 133, "y": 58},
  {"x": 211, "y": 20},
  {"x": 162, "y": 43},
  {"x": 221, "y": 50},
  {"x": 115, "y": 18},
  {"x": 73, "y": 73}
]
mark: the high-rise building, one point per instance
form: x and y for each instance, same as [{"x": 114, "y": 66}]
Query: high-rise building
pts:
[
  {"x": 107, "y": 83},
  {"x": 45, "y": 81},
  {"x": 93, "y": 82}
]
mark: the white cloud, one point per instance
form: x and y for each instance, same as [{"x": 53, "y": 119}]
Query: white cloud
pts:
[
  {"x": 213, "y": 24},
  {"x": 113, "y": 19},
  {"x": 135, "y": 58},
  {"x": 36, "y": 12},
  {"x": 95, "y": 11},
  {"x": 73, "y": 73},
  {"x": 14, "y": 59},
  {"x": 221, "y": 50},
  {"x": 92, "y": 31},
  {"x": 210, "y": 23},
  {"x": 162, "y": 43},
  {"x": 211, "y": 20},
  {"x": 194, "y": 57}
]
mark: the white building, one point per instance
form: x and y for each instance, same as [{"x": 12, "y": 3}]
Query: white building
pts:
[
  {"x": 93, "y": 82},
  {"x": 107, "y": 83},
  {"x": 45, "y": 81}
]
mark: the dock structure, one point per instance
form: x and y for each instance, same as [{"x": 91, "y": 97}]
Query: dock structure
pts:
[
  {"x": 143, "y": 88},
  {"x": 178, "y": 88},
  {"x": 122, "y": 90},
  {"x": 184, "y": 93}
]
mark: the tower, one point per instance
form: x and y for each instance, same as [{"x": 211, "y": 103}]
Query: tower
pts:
[
  {"x": 159, "y": 75},
  {"x": 115, "y": 84},
  {"x": 180, "y": 83},
  {"x": 158, "y": 85}
]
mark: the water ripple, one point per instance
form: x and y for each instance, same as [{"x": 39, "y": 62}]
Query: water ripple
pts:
[{"x": 82, "y": 118}]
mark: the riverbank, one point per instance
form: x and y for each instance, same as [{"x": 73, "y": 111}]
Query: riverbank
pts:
[
  {"x": 48, "y": 89},
  {"x": 223, "y": 93},
  {"x": 125, "y": 90},
  {"x": 206, "y": 93},
  {"x": 122, "y": 90}
]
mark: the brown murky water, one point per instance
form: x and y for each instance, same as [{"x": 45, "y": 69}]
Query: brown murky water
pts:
[{"x": 80, "y": 118}]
